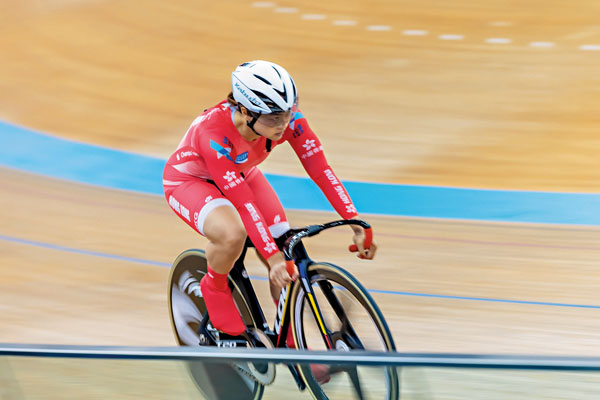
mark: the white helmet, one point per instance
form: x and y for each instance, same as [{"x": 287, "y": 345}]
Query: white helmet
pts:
[{"x": 263, "y": 87}]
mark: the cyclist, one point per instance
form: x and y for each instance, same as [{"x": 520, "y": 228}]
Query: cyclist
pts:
[{"x": 212, "y": 181}]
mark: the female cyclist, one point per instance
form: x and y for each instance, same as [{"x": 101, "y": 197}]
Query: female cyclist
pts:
[{"x": 212, "y": 181}]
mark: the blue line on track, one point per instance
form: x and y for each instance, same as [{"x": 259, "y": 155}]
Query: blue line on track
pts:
[
  {"x": 83, "y": 252},
  {"x": 392, "y": 292}
]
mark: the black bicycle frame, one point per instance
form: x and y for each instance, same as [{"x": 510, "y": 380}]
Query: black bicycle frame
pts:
[
  {"x": 291, "y": 245},
  {"x": 290, "y": 250},
  {"x": 293, "y": 248},
  {"x": 239, "y": 275}
]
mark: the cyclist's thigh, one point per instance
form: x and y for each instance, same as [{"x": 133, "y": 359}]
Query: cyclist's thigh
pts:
[
  {"x": 194, "y": 200},
  {"x": 268, "y": 203}
]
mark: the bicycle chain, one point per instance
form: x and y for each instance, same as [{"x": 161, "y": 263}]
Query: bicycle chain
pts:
[
  {"x": 251, "y": 375},
  {"x": 266, "y": 378}
]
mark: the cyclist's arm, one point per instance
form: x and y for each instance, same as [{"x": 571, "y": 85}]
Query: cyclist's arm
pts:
[
  {"x": 310, "y": 152},
  {"x": 225, "y": 174}
]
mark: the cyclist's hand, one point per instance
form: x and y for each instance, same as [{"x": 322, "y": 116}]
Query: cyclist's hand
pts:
[
  {"x": 278, "y": 273},
  {"x": 359, "y": 241}
]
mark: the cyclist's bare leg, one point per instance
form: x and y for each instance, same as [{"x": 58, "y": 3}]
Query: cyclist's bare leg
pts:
[{"x": 226, "y": 234}]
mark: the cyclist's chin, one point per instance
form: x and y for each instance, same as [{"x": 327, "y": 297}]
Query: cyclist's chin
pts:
[{"x": 275, "y": 134}]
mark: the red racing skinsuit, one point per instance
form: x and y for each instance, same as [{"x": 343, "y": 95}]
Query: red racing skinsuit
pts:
[{"x": 215, "y": 166}]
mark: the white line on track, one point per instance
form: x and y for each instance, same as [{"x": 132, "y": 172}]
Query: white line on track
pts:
[
  {"x": 448, "y": 36},
  {"x": 501, "y": 23},
  {"x": 263, "y": 4},
  {"x": 314, "y": 17},
  {"x": 286, "y": 10},
  {"x": 542, "y": 44},
  {"x": 414, "y": 32},
  {"x": 590, "y": 47},
  {"x": 379, "y": 28},
  {"x": 344, "y": 22},
  {"x": 498, "y": 40}
]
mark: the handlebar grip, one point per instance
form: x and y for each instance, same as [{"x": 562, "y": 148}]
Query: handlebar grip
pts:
[
  {"x": 290, "y": 267},
  {"x": 368, "y": 241},
  {"x": 368, "y": 238}
]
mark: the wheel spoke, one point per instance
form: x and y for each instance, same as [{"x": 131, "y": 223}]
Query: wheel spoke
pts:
[
  {"x": 347, "y": 330},
  {"x": 353, "y": 373}
]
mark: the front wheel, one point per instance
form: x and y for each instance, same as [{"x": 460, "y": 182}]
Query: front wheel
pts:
[{"x": 354, "y": 322}]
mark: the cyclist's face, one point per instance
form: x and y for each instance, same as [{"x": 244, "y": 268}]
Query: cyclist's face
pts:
[{"x": 272, "y": 126}]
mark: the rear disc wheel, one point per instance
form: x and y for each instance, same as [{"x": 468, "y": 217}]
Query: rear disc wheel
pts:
[{"x": 186, "y": 311}]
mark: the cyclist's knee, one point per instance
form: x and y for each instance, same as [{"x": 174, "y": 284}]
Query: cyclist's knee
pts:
[
  {"x": 225, "y": 230},
  {"x": 233, "y": 238}
]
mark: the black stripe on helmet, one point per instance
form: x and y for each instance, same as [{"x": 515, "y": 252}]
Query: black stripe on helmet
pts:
[
  {"x": 276, "y": 71},
  {"x": 263, "y": 79},
  {"x": 268, "y": 102}
]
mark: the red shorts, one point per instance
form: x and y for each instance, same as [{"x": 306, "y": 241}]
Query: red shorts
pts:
[{"x": 192, "y": 200}]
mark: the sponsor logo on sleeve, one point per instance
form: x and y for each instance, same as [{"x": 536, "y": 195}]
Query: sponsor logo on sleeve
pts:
[
  {"x": 339, "y": 189},
  {"x": 270, "y": 246},
  {"x": 232, "y": 179},
  {"x": 331, "y": 176},
  {"x": 311, "y": 148},
  {"x": 229, "y": 176},
  {"x": 298, "y": 130},
  {"x": 309, "y": 144}
]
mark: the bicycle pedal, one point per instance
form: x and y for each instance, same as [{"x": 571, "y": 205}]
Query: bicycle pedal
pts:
[{"x": 204, "y": 340}]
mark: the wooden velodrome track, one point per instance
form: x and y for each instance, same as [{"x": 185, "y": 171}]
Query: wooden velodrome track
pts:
[{"x": 389, "y": 105}]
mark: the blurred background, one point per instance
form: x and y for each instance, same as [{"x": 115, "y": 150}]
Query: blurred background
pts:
[{"x": 492, "y": 94}]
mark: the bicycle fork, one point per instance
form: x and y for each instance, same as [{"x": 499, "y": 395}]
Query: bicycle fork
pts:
[{"x": 282, "y": 326}]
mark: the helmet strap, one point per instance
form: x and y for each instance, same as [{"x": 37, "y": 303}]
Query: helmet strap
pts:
[
  {"x": 251, "y": 123},
  {"x": 254, "y": 118}
]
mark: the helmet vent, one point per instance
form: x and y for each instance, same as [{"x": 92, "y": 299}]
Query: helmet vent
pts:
[
  {"x": 263, "y": 79},
  {"x": 268, "y": 102},
  {"x": 283, "y": 93},
  {"x": 276, "y": 71}
]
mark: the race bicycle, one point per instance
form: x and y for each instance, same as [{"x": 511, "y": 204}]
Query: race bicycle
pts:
[{"x": 326, "y": 308}]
